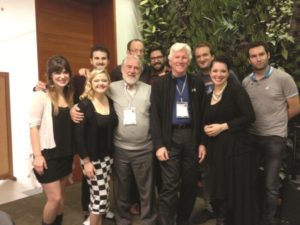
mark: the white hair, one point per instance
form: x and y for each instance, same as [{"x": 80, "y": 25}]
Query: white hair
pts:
[
  {"x": 178, "y": 47},
  {"x": 127, "y": 57}
]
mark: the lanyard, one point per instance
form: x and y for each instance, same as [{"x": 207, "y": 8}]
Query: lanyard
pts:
[
  {"x": 183, "y": 87},
  {"x": 129, "y": 97}
]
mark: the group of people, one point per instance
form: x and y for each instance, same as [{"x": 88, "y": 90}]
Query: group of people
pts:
[{"x": 161, "y": 113}]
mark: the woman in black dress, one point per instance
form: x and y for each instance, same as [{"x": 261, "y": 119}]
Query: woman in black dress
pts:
[
  {"x": 51, "y": 137},
  {"x": 94, "y": 141},
  {"x": 231, "y": 164}
]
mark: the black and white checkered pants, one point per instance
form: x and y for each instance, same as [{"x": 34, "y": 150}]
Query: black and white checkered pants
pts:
[{"x": 99, "y": 186}]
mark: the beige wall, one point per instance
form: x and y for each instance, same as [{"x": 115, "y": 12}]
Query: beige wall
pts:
[
  {"x": 18, "y": 56},
  {"x": 127, "y": 21}
]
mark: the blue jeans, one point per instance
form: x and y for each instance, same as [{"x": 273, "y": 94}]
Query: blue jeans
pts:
[{"x": 270, "y": 150}]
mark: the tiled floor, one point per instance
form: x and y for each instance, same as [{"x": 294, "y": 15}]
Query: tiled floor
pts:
[{"x": 12, "y": 190}]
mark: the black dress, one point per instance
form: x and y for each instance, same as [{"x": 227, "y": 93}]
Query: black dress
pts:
[
  {"x": 59, "y": 159},
  {"x": 230, "y": 154}
]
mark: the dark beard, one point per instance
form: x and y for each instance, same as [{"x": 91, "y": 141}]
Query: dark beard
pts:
[{"x": 160, "y": 69}]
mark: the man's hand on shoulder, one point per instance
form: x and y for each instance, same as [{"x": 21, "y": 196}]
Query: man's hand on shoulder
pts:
[
  {"x": 84, "y": 72},
  {"x": 76, "y": 115},
  {"x": 40, "y": 86}
]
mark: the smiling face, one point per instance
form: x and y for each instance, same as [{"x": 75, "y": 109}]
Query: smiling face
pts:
[
  {"x": 179, "y": 62},
  {"x": 60, "y": 79},
  {"x": 203, "y": 58},
  {"x": 100, "y": 83},
  {"x": 219, "y": 73},
  {"x": 157, "y": 61},
  {"x": 99, "y": 60},
  {"x": 131, "y": 70}
]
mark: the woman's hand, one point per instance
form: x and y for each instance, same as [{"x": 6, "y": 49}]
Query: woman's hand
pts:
[
  {"x": 89, "y": 170},
  {"x": 201, "y": 153},
  {"x": 39, "y": 164},
  {"x": 215, "y": 129}
]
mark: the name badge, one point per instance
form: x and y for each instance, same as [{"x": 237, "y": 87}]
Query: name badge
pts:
[
  {"x": 182, "y": 110},
  {"x": 130, "y": 116}
]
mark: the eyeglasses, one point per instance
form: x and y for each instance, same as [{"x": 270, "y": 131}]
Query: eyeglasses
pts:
[
  {"x": 156, "y": 58},
  {"x": 137, "y": 51}
]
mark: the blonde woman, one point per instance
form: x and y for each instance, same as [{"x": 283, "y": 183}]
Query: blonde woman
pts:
[
  {"x": 94, "y": 141},
  {"x": 51, "y": 137}
]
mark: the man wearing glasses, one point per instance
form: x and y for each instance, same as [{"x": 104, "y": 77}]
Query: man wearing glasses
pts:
[
  {"x": 157, "y": 63},
  {"x": 134, "y": 47}
]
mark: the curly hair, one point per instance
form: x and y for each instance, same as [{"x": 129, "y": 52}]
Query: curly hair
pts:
[{"x": 88, "y": 90}]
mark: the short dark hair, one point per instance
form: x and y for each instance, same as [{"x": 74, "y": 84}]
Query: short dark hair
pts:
[
  {"x": 222, "y": 59},
  {"x": 100, "y": 48},
  {"x": 258, "y": 44},
  {"x": 133, "y": 40},
  {"x": 155, "y": 48},
  {"x": 205, "y": 44}
]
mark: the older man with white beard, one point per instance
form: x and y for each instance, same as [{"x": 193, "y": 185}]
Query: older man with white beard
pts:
[{"x": 133, "y": 146}]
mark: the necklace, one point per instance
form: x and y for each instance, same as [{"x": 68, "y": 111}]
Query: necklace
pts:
[{"x": 217, "y": 96}]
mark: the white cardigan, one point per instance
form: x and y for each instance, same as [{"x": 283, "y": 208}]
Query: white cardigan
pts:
[{"x": 41, "y": 116}]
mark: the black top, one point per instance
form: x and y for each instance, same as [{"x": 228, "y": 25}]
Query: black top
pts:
[
  {"x": 236, "y": 110},
  {"x": 162, "y": 99},
  {"x": 62, "y": 130},
  {"x": 94, "y": 135}
]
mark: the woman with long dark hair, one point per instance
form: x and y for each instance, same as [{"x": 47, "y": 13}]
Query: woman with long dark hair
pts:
[{"x": 51, "y": 137}]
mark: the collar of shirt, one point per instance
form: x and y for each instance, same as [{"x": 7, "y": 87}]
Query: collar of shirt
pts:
[
  {"x": 181, "y": 78},
  {"x": 267, "y": 74},
  {"x": 130, "y": 91}
]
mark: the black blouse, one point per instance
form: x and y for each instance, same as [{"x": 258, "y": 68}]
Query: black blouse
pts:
[
  {"x": 236, "y": 110},
  {"x": 62, "y": 130},
  {"x": 94, "y": 135}
]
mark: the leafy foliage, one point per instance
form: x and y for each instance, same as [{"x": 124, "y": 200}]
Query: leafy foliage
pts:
[{"x": 227, "y": 24}]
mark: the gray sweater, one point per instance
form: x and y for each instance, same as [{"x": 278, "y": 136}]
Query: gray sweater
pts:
[{"x": 132, "y": 137}]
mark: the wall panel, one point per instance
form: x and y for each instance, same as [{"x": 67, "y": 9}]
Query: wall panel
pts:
[
  {"x": 105, "y": 28},
  {"x": 70, "y": 28},
  {"x": 6, "y": 167},
  {"x": 64, "y": 28}
]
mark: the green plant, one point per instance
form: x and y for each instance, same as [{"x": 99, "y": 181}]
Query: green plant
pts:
[{"x": 227, "y": 24}]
